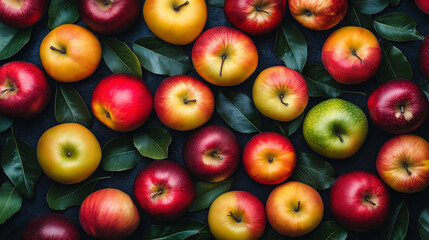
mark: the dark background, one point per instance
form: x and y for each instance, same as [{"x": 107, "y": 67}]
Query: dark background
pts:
[{"x": 364, "y": 159}]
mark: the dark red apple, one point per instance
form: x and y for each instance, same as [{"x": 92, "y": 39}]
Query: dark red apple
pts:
[
  {"x": 212, "y": 153},
  {"x": 424, "y": 57},
  {"x": 423, "y": 5},
  {"x": 398, "y": 106},
  {"x": 51, "y": 226},
  {"x": 164, "y": 190},
  {"x": 22, "y": 13},
  {"x": 360, "y": 201}
]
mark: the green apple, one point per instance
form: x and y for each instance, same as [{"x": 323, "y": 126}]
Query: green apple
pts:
[{"x": 335, "y": 128}]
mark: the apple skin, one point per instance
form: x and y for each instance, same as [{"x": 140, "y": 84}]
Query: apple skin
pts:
[
  {"x": 109, "y": 16},
  {"x": 24, "y": 90},
  {"x": 164, "y": 190},
  {"x": 280, "y": 93},
  {"x": 335, "y": 128},
  {"x": 424, "y": 57},
  {"x": 318, "y": 14},
  {"x": 122, "y": 102},
  {"x": 351, "y": 55},
  {"x": 294, "y": 209},
  {"x": 269, "y": 158},
  {"x": 51, "y": 226},
  {"x": 237, "y": 215},
  {"x": 255, "y": 17},
  {"x": 360, "y": 201},
  {"x": 109, "y": 214},
  {"x": 22, "y": 13},
  {"x": 212, "y": 153},
  {"x": 423, "y": 5},
  {"x": 398, "y": 106},
  {"x": 224, "y": 56},
  {"x": 403, "y": 163}
]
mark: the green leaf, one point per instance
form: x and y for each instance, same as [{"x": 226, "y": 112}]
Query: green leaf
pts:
[
  {"x": 356, "y": 18},
  {"x": 369, "y": 6},
  {"x": 152, "y": 142},
  {"x": 424, "y": 224},
  {"x": 62, "y": 196},
  {"x": 285, "y": 128},
  {"x": 320, "y": 82},
  {"x": 19, "y": 162},
  {"x": 207, "y": 192},
  {"x": 119, "y": 154},
  {"x": 204, "y": 234},
  {"x": 5, "y": 123},
  {"x": 396, "y": 225},
  {"x": 160, "y": 57},
  {"x": 393, "y": 65},
  {"x": 62, "y": 12},
  {"x": 398, "y": 27},
  {"x": 313, "y": 171},
  {"x": 10, "y": 201},
  {"x": 425, "y": 88},
  {"x": 290, "y": 46},
  {"x": 329, "y": 230},
  {"x": 70, "y": 107},
  {"x": 238, "y": 111},
  {"x": 217, "y": 3},
  {"x": 119, "y": 57},
  {"x": 12, "y": 40},
  {"x": 176, "y": 230},
  {"x": 394, "y": 2}
]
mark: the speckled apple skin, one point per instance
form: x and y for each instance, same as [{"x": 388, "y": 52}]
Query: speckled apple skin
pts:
[{"x": 424, "y": 57}]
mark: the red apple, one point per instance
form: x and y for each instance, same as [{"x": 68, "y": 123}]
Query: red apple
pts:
[
  {"x": 423, "y": 5},
  {"x": 51, "y": 226},
  {"x": 22, "y": 13},
  {"x": 255, "y": 17},
  {"x": 424, "y": 56},
  {"x": 109, "y": 16},
  {"x": 360, "y": 201},
  {"x": 109, "y": 214},
  {"x": 398, "y": 106},
  {"x": 122, "y": 102},
  {"x": 24, "y": 90},
  {"x": 164, "y": 190},
  {"x": 403, "y": 163},
  {"x": 269, "y": 158},
  {"x": 212, "y": 153}
]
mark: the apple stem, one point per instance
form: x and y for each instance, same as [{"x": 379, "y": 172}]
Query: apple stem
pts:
[
  {"x": 402, "y": 109},
  {"x": 282, "y": 96},
  {"x": 108, "y": 115},
  {"x": 270, "y": 160},
  {"x": 258, "y": 9},
  {"x": 7, "y": 90},
  {"x": 214, "y": 154},
  {"x": 177, "y": 8},
  {"x": 406, "y": 168},
  {"x": 188, "y": 101},
  {"x": 221, "y": 66},
  {"x": 355, "y": 54},
  {"x": 308, "y": 13},
  {"x": 63, "y": 51},
  {"x": 237, "y": 219},
  {"x": 368, "y": 200},
  {"x": 296, "y": 209},
  {"x": 107, "y": 2},
  {"x": 156, "y": 194},
  {"x": 339, "y": 136}
]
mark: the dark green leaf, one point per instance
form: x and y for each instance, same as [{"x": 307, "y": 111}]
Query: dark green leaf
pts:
[
  {"x": 217, "y": 3},
  {"x": 152, "y": 142},
  {"x": 238, "y": 111},
  {"x": 62, "y": 12},
  {"x": 424, "y": 224},
  {"x": 19, "y": 162},
  {"x": 396, "y": 225},
  {"x": 120, "y": 154},
  {"x": 160, "y": 57},
  {"x": 313, "y": 171},
  {"x": 425, "y": 88},
  {"x": 12, "y": 40},
  {"x": 286, "y": 128},
  {"x": 70, "y": 107},
  {"x": 398, "y": 27},
  {"x": 207, "y": 192},
  {"x": 179, "y": 229},
  {"x": 329, "y": 230},
  {"x": 5, "y": 123},
  {"x": 356, "y": 18},
  {"x": 393, "y": 64},
  {"x": 10, "y": 201},
  {"x": 119, "y": 57},
  {"x": 394, "y": 2},
  {"x": 369, "y": 6},
  {"x": 62, "y": 196},
  {"x": 204, "y": 234},
  {"x": 291, "y": 46},
  {"x": 320, "y": 82}
]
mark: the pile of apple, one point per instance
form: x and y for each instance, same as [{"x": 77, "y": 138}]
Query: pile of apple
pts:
[{"x": 222, "y": 56}]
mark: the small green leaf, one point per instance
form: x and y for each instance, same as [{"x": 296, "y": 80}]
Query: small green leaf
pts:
[
  {"x": 424, "y": 224},
  {"x": 217, "y": 3},
  {"x": 62, "y": 196},
  {"x": 369, "y": 6},
  {"x": 62, "y": 12},
  {"x": 329, "y": 230},
  {"x": 5, "y": 123},
  {"x": 425, "y": 88},
  {"x": 19, "y": 162},
  {"x": 204, "y": 234},
  {"x": 152, "y": 142},
  {"x": 320, "y": 82},
  {"x": 356, "y": 18},
  {"x": 160, "y": 57},
  {"x": 394, "y": 2},
  {"x": 285, "y": 128},
  {"x": 179, "y": 229},
  {"x": 70, "y": 107},
  {"x": 10, "y": 201},
  {"x": 238, "y": 111},
  {"x": 398, "y": 27},
  {"x": 393, "y": 65},
  {"x": 119, "y": 154},
  {"x": 12, "y": 40},
  {"x": 396, "y": 225},
  {"x": 207, "y": 192},
  {"x": 290, "y": 46},
  {"x": 119, "y": 57},
  {"x": 313, "y": 171}
]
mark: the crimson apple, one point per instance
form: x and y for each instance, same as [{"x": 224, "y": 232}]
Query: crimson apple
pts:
[
  {"x": 22, "y": 13},
  {"x": 423, "y": 5},
  {"x": 51, "y": 226},
  {"x": 424, "y": 57}
]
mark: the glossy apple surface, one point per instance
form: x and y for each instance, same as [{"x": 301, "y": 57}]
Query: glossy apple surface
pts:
[
  {"x": 51, "y": 226},
  {"x": 22, "y": 13},
  {"x": 423, "y": 5},
  {"x": 424, "y": 57}
]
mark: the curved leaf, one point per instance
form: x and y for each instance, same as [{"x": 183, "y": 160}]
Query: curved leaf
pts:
[
  {"x": 396, "y": 225},
  {"x": 394, "y": 2},
  {"x": 397, "y": 27},
  {"x": 204, "y": 234},
  {"x": 179, "y": 229},
  {"x": 285, "y": 128},
  {"x": 152, "y": 142},
  {"x": 424, "y": 224},
  {"x": 238, "y": 111},
  {"x": 207, "y": 192},
  {"x": 12, "y": 40},
  {"x": 62, "y": 12},
  {"x": 369, "y": 6},
  {"x": 5, "y": 123},
  {"x": 356, "y": 18},
  {"x": 320, "y": 82},
  {"x": 329, "y": 230},
  {"x": 10, "y": 201},
  {"x": 160, "y": 57},
  {"x": 70, "y": 107},
  {"x": 119, "y": 57},
  {"x": 119, "y": 154},
  {"x": 290, "y": 46},
  {"x": 217, "y": 3},
  {"x": 313, "y": 171},
  {"x": 393, "y": 65}
]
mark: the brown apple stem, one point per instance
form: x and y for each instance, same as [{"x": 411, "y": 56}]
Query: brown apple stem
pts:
[
  {"x": 7, "y": 90},
  {"x": 258, "y": 9},
  {"x": 221, "y": 66},
  {"x": 339, "y": 136},
  {"x": 63, "y": 51},
  {"x": 282, "y": 96},
  {"x": 296, "y": 209},
  {"x": 308, "y": 13},
  {"x": 157, "y": 193},
  {"x": 107, "y": 2},
  {"x": 406, "y": 168},
  {"x": 402, "y": 109},
  {"x": 214, "y": 154},
  {"x": 270, "y": 160},
  {"x": 237, "y": 219},
  {"x": 177, "y": 8},
  {"x": 188, "y": 101},
  {"x": 355, "y": 54},
  {"x": 368, "y": 200}
]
